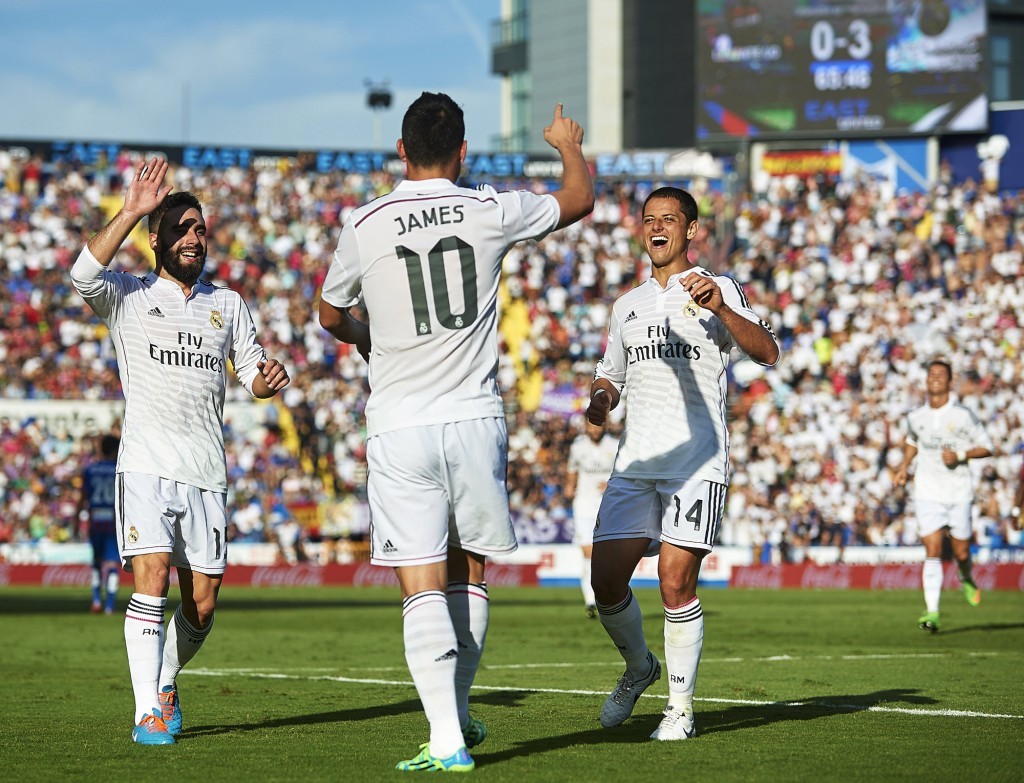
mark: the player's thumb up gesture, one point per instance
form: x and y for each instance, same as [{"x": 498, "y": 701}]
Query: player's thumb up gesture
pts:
[{"x": 563, "y": 131}]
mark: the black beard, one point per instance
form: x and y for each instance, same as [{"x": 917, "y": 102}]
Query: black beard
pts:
[{"x": 186, "y": 274}]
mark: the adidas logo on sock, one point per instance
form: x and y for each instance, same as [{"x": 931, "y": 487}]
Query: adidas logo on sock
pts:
[
  {"x": 156, "y": 311},
  {"x": 630, "y": 317},
  {"x": 448, "y": 656},
  {"x": 389, "y": 548}
]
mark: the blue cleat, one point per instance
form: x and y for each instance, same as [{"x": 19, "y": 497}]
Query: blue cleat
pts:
[
  {"x": 459, "y": 761},
  {"x": 152, "y": 731},
  {"x": 170, "y": 708}
]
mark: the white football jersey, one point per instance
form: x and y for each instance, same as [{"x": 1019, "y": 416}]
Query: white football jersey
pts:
[
  {"x": 592, "y": 463},
  {"x": 172, "y": 355},
  {"x": 426, "y": 261},
  {"x": 931, "y": 430},
  {"x": 671, "y": 356}
]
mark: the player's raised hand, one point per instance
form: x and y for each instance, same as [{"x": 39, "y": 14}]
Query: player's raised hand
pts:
[
  {"x": 563, "y": 131},
  {"x": 704, "y": 291},
  {"x": 147, "y": 189}
]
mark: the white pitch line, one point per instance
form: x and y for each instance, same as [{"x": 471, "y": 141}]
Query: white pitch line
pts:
[
  {"x": 767, "y": 659},
  {"x": 572, "y": 692}
]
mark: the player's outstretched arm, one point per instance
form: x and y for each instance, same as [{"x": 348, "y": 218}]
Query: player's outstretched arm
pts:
[
  {"x": 576, "y": 195},
  {"x": 144, "y": 194}
]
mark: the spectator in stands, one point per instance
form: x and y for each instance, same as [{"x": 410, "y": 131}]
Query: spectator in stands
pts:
[{"x": 866, "y": 284}]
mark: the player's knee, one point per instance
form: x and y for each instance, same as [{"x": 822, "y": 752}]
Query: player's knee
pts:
[{"x": 608, "y": 590}]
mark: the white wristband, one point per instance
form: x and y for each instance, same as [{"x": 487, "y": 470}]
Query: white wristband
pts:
[
  {"x": 599, "y": 391},
  {"x": 1015, "y": 512},
  {"x": 961, "y": 456}
]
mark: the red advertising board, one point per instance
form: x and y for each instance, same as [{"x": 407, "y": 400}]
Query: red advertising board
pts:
[
  {"x": 334, "y": 574},
  {"x": 808, "y": 576}
]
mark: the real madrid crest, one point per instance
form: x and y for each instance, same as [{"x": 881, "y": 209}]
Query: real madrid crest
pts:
[
  {"x": 133, "y": 535},
  {"x": 216, "y": 319},
  {"x": 691, "y": 309}
]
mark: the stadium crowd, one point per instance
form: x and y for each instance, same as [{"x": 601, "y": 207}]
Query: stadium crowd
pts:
[{"x": 861, "y": 284}]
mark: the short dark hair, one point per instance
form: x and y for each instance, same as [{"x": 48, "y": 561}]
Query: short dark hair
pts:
[
  {"x": 109, "y": 445},
  {"x": 687, "y": 203},
  {"x": 177, "y": 199},
  {"x": 432, "y": 130},
  {"x": 942, "y": 361}
]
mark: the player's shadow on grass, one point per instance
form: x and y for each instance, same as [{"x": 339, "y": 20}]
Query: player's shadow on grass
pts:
[
  {"x": 361, "y": 713},
  {"x": 983, "y": 628},
  {"x": 751, "y": 716},
  {"x": 639, "y": 727}
]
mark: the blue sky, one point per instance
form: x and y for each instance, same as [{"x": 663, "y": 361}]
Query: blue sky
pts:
[{"x": 264, "y": 74}]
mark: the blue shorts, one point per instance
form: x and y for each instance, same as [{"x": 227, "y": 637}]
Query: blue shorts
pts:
[{"x": 104, "y": 547}]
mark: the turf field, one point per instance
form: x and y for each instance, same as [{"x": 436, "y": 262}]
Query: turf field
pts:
[{"x": 301, "y": 684}]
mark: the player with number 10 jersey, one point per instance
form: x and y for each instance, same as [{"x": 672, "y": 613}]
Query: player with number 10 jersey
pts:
[{"x": 435, "y": 350}]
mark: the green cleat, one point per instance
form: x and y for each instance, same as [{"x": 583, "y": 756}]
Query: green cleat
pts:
[
  {"x": 459, "y": 761},
  {"x": 474, "y": 732},
  {"x": 972, "y": 593},
  {"x": 929, "y": 621}
]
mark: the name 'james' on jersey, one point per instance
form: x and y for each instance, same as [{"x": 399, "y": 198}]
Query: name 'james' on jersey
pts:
[
  {"x": 671, "y": 356},
  {"x": 172, "y": 356},
  {"x": 426, "y": 261}
]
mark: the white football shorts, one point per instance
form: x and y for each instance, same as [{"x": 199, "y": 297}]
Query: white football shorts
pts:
[
  {"x": 933, "y": 516},
  {"x": 584, "y": 516},
  {"x": 437, "y": 486},
  {"x": 156, "y": 514},
  {"x": 684, "y": 512}
]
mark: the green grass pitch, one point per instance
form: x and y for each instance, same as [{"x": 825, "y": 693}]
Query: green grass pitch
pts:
[{"x": 301, "y": 684}]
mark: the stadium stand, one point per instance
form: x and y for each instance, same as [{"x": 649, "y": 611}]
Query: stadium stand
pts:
[{"x": 864, "y": 283}]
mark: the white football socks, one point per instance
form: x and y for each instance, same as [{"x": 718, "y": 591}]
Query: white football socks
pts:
[
  {"x": 144, "y": 640},
  {"x": 684, "y": 640},
  {"x": 431, "y": 651},
  {"x": 931, "y": 580},
  {"x": 183, "y": 642},
  {"x": 469, "y": 607}
]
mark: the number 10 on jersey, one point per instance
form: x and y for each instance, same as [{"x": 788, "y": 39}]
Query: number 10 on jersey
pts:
[{"x": 439, "y": 285}]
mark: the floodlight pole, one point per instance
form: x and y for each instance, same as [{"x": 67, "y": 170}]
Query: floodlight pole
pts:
[{"x": 378, "y": 98}]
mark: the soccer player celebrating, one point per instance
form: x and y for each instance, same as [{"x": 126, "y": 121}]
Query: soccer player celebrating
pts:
[
  {"x": 947, "y": 435},
  {"x": 425, "y": 260},
  {"x": 96, "y": 509},
  {"x": 174, "y": 335},
  {"x": 669, "y": 344},
  {"x": 591, "y": 457}
]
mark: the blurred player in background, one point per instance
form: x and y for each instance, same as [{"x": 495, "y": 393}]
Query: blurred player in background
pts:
[
  {"x": 946, "y": 435},
  {"x": 174, "y": 335},
  {"x": 591, "y": 458},
  {"x": 425, "y": 260},
  {"x": 1017, "y": 512},
  {"x": 669, "y": 345},
  {"x": 96, "y": 510}
]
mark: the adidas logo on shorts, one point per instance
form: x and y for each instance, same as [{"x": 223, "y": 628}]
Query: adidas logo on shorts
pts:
[{"x": 389, "y": 548}]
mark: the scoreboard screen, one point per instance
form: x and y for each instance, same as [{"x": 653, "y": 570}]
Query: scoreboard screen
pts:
[{"x": 774, "y": 69}]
